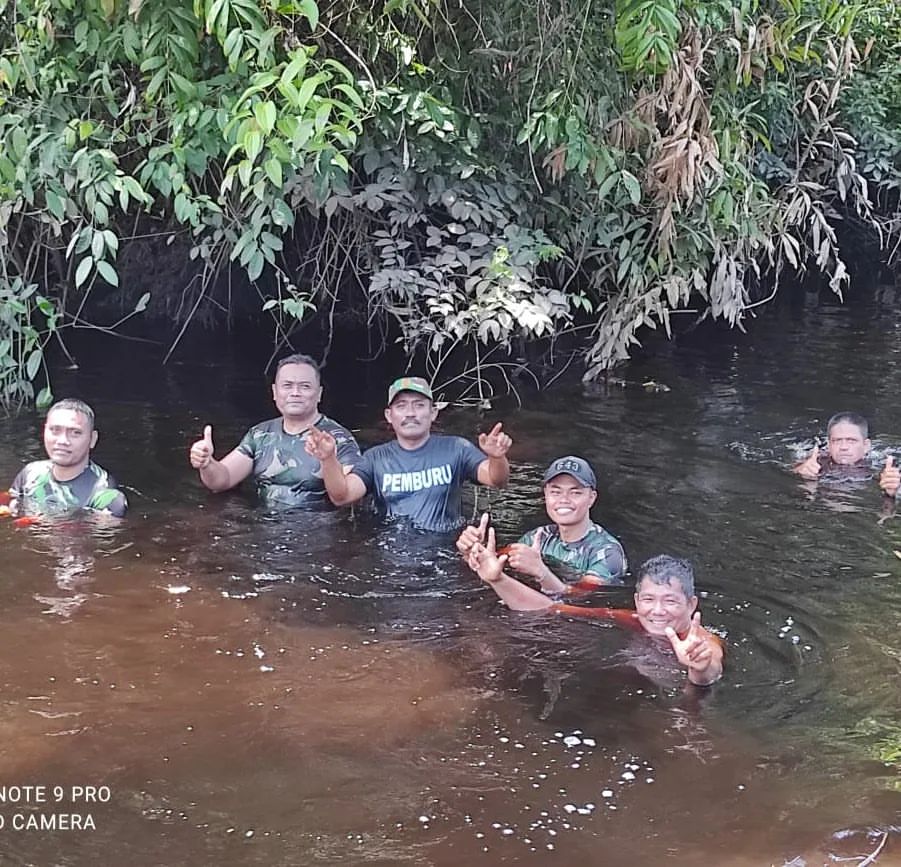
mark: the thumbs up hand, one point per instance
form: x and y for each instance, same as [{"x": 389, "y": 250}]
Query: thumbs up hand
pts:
[
  {"x": 890, "y": 477},
  {"x": 527, "y": 558},
  {"x": 201, "y": 454},
  {"x": 810, "y": 468}
]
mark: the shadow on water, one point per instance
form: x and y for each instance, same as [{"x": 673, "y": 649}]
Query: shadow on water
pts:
[{"x": 286, "y": 688}]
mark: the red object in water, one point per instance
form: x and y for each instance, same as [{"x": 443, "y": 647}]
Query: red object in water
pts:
[
  {"x": 5, "y": 497},
  {"x": 586, "y": 584},
  {"x": 504, "y": 549},
  {"x": 26, "y": 520}
]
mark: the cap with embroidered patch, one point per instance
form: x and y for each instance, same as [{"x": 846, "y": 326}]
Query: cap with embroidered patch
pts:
[
  {"x": 574, "y": 466},
  {"x": 409, "y": 383}
]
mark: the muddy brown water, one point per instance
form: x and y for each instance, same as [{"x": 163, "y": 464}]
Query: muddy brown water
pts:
[{"x": 251, "y": 688}]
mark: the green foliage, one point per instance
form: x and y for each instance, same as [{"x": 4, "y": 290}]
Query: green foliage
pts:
[{"x": 465, "y": 176}]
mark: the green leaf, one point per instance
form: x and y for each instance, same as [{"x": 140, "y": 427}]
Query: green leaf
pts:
[
  {"x": 630, "y": 182},
  {"x": 55, "y": 204},
  {"x": 33, "y": 365},
  {"x": 44, "y": 398},
  {"x": 255, "y": 266},
  {"x": 266, "y": 115},
  {"x": 108, "y": 272},
  {"x": 310, "y": 11},
  {"x": 83, "y": 270},
  {"x": 274, "y": 171}
]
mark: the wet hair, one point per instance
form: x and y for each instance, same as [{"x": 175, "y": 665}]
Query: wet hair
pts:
[
  {"x": 663, "y": 569},
  {"x": 850, "y": 418},
  {"x": 74, "y": 405},
  {"x": 299, "y": 358}
]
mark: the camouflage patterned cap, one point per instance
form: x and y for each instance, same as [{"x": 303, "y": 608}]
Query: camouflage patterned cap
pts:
[
  {"x": 576, "y": 467},
  {"x": 409, "y": 383}
]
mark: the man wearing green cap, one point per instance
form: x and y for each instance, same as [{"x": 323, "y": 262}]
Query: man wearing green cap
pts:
[
  {"x": 571, "y": 554},
  {"x": 418, "y": 475}
]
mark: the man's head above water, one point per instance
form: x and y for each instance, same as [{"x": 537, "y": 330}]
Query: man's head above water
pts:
[
  {"x": 847, "y": 445},
  {"x": 69, "y": 436},
  {"x": 848, "y": 438},
  {"x": 665, "y": 594}
]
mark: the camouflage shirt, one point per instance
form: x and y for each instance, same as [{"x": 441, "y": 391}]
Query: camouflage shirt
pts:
[
  {"x": 36, "y": 491},
  {"x": 596, "y": 553},
  {"x": 284, "y": 473}
]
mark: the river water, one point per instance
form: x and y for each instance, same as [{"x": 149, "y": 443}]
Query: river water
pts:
[{"x": 248, "y": 688}]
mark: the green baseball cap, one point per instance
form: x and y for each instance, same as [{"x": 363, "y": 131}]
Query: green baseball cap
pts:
[{"x": 409, "y": 383}]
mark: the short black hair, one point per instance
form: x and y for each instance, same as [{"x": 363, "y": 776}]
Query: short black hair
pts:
[
  {"x": 74, "y": 405},
  {"x": 298, "y": 358},
  {"x": 663, "y": 568},
  {"x": 854, "y": 418}
]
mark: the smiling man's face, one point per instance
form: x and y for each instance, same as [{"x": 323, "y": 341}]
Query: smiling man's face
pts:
[
  {"x": 662, "y": 605},
  {"x": 567, "y": 500}
]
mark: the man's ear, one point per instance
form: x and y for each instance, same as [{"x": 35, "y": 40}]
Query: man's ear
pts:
[
  {"x": 693, "y": 605},
  {"x": 94, "y": 437}
]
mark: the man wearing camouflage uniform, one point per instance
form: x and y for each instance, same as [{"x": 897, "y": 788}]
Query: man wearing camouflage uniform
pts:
[{"x": 273, "y": 451}]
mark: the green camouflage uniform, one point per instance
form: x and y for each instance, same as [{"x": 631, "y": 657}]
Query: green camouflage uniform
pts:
[
  {"x": 36, "y": 491},
  {"x": 284, "y": 473},
  {"x": 596, "y": 553}
]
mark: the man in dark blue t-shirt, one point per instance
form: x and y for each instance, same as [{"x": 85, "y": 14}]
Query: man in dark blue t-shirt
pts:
[{"x": 418, "y": 475}]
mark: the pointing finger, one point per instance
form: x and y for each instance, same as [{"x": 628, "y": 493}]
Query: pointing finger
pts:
[
  {"x": 496, "y": 430},
  {"x": 492, "y": 544},
  {"x": 889, "y": 462},
  {"x": 483, "y": 525}
]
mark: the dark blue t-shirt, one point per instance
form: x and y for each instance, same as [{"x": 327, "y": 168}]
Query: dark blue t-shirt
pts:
[{"x": 424, "y": 484}]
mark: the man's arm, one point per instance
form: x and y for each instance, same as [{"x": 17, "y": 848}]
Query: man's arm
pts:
[
  {"x": 494, "y": 471},
  {"x": 219, "y": 475},
  {"x": 227, "y": 473},
  {"x": 342, "y": 488},
  {"x": 484, "y": 561}
]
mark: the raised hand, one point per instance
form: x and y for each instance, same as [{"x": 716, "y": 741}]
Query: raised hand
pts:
[
  {"x": 483, "y": 559},
  {"x": 527, "y": 558},
  {"x": 696, "y": 651},
  {"x": 201, "y": 454},
  {"x": 495, "y": 443},
  {"x": 320, "y": 444},
  {"x": 810, "y": 468},
  {"x": 472, "y": 536},
  {"x": 890, "y": 477}
]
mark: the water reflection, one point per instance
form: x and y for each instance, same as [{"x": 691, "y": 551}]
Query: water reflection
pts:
[{"x": 291, "y": 688}]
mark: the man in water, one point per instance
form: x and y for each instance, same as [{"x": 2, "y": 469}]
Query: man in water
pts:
[
  {"x": 847, "y": 448},
  {"x": 69, "y": 480},
  {"x": 571, "y": 553},
  {"x": 418, "y": 475},
  {"x": 665, "y": 607},
  {"x": 273, "y": 451}
]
